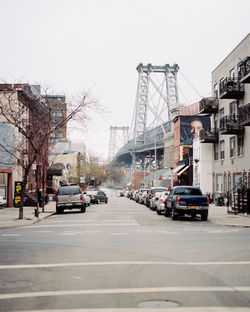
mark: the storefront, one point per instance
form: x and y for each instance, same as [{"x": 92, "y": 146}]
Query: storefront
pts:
[{"x": 6, "y": 186}]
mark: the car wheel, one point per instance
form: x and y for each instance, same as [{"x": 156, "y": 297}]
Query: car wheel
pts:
[
  {"x": 83, "y": 209},
  {"x": 204, "y": 216},
  {"x": 158, "y": 212},
  {"x": 106, "y": 201},
  {"x": 166, "y": 212},
  {"x": 59, "y": 210},
  {"x": 174, "y": 215}
]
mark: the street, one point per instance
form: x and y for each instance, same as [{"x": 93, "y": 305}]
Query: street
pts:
[{"x": 122, "y": 255}]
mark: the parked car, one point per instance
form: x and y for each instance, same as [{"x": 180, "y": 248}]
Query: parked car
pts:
[
  {"x": 70, "y": 197},
  {"x": 152, "y": 192},
  {"x": 139, "y": 195},
  {"x": 96, "y": 197},
  {"x": 86, "y": 198},
  {"x": 143, "y": 197},
  {"x": 186, "y": 200},
  {"x": 154, "y": 200},
  {"x": 160, "y": 204},
  {"x": 2, "y": 201}
]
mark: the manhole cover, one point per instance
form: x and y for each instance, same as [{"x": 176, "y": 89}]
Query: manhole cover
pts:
[
  {"x": 158, "y": 304},
  {"x": 16, "y": 284}
]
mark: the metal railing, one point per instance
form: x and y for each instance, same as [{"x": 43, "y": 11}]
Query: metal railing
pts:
[
  {"x": 229, "y": 123},
  {"x": 238, "y": 197},
  {"x": 231, "y": 85},
  {"x": 244, "y": 68},
  {"x": 244, "y": 112},
  {"x": 209, "y": 105}
]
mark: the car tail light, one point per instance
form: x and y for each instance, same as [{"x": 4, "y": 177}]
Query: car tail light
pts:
[
  {"x": 177, "y": 200},
  {"x": 150, "y": 195},
  {"x": 81, "y": 197},
  {"x": 143, "y": 196},
  {"x": 156, "y": 198},
  {"x": 56, "y": 199},
  {"x": 92, "y": 196},
  {"x": 208, "y": 200}
]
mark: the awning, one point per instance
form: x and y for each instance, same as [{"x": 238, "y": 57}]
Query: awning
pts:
[
  {"x": 183, "y": 170},
  {"x": 178, "y": 168}
]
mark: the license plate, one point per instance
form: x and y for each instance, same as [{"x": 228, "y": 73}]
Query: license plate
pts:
[
  {"x": 69, "y": 204},
  {"x": 192, "y": 207}
]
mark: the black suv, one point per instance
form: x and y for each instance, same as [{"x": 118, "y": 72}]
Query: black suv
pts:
[{"x": 96, "y": 197}]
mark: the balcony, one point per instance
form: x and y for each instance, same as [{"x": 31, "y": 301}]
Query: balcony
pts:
[
  {"x": 209, "y": 136},
  {"x": 244, "y": 70},
  {"x": 231, "y": 88},
  {"x": 244, "y": 114},
  {"x": 209, "y": 105},
  {"x": 231, "y": 125}
]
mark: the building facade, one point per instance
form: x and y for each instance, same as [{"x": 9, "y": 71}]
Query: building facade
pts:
[{"x": 231, "y": 120}]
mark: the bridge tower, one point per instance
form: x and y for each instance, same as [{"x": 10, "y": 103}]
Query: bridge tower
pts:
[
  {"x": 118, "y": 138},
  {"x": 156, "y": 95}
]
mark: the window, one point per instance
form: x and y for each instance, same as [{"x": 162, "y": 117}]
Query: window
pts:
[
  {"x": 216, "y": 91},
  {"x": 232, "y": 73},
  {"x": 218, "y": 182},
  {"x": 216, "y": 151},
  {"x": 222, "y": 112},
  {"x": 236, "y": 180},
  {"x": 233, "y": 109},
  {"x": 240, "y": 146},
  {"x": 232, "y": 146},
  {"x": 225, "y": 183},
  {"x": 222, "y": 149},
  {"x": 216, "y": 121}
]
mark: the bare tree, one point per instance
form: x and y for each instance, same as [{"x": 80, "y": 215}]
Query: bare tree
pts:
[{"x": 29, "y": 117}]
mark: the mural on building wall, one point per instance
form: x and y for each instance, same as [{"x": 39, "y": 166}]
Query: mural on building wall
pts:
[
  {"x": 6, "y": 146},
  {"x": 190, "y": 127}
]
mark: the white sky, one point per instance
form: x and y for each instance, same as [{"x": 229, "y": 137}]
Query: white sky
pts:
[{"x": 74, "y": 45}]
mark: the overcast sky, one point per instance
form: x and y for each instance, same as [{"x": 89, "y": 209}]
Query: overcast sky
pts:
[{"x": 74, "y": 45}]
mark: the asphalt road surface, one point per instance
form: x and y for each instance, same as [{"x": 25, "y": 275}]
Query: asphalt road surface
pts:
[{"x": 121, "y": 256}]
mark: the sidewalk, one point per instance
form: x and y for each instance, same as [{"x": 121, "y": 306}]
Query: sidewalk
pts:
[
  {"x": 218, "y": 215},
  {"x": 9, "y": 216}
]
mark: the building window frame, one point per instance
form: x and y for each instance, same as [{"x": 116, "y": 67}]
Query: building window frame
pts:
[
  {"x": 216, "y": 151},
  {"x": 219, "y": 182},
  {"x": 222, "y": 149},
  {"x": 232, "y": 147},
  {"x": 240, "y": 144}
]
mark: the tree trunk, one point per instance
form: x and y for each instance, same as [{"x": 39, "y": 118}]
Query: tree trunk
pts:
[{"x": 24, "y": 183}]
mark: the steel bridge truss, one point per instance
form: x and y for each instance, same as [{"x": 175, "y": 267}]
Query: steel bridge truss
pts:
[
  {"x": 118, "y": 138},
  {"x": 156, "y": 95}
]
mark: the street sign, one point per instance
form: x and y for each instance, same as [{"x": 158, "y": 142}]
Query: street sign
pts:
[{"x": 17, "y": 194}]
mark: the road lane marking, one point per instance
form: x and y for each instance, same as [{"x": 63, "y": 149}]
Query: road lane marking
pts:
[
  {"x": 118, "y": 233},
  {"x": 124, "y": 291},
  {"x": 55, "y": 265},
  {"x": 176, "y": 309},
  {"x": 41, "y": 232},
  {"x": 11, "y": 235},
  {"x": 72, "y": 225}
]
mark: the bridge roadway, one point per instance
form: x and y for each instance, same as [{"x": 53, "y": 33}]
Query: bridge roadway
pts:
[{"x": 153, "y": 140}]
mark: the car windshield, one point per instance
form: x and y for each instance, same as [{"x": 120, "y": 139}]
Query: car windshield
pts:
[
  {"x": 91, "y": 192},
  {"x": 69, "y": 190},
  {"x": 158, "y": 190},
  {"x": 187, "y": 191}
]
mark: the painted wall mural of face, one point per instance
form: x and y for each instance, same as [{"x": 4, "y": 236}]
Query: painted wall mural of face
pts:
[{"x": 190, "y": 127}]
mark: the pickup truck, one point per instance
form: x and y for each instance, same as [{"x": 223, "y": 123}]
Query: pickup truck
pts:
[{"x": 186, "y": 200}]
